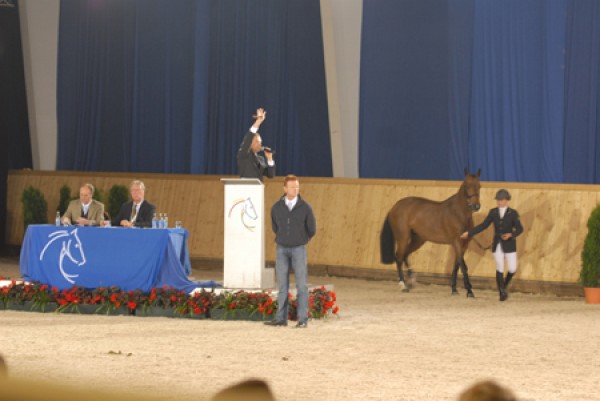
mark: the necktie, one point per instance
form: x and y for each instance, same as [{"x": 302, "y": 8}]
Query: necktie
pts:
[{"x": 133, "y": 213}]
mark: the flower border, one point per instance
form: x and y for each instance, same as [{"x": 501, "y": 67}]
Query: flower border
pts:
[{"x": 112, "y": 300}]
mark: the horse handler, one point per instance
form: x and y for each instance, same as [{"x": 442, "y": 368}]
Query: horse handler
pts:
[
  {"x": 507, "y": 226},
  {"x": 294, "y": 225}
]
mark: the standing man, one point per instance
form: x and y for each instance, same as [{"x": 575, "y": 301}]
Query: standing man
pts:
[
  {"x": 507, "y": 226},
  {"x": 294, "y": 225},
  {"x": 250, "y": 163},
  {"x": 138, "y": 212},
  {"x": 84, "y": 211}
]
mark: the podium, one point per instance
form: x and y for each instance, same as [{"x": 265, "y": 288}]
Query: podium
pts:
[{"x": 244, "y": 230}]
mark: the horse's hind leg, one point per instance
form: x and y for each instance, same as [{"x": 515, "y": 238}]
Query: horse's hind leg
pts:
[
  {"x": 415, "y": 243},
  {"x": 401, "y": 281},
  {"x": 401, "y": 246}
]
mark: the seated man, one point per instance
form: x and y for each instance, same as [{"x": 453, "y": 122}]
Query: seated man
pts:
[
  {"x": 84, "y": 211},
  {"x": 138, "y": 212}
]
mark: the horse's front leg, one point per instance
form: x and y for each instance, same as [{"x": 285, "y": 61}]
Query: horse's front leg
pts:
[
  {"x": 454, "y": 277},
  {"x": 467, "y": 282}
]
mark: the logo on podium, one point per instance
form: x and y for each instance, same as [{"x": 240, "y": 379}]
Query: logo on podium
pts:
[{"x": 247, "y": 212}]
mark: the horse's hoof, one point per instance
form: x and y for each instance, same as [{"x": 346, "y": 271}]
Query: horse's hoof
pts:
[
  {"x": 402, "y": 285},
  {"x": 470, "y": 294},
  {"x": 454, "y": 292}
]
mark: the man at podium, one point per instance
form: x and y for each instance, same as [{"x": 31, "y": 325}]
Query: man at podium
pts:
[{"x": 250, "y": 163}]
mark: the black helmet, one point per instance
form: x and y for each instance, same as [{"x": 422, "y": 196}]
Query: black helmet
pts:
[{"x": 502, "y": 194}]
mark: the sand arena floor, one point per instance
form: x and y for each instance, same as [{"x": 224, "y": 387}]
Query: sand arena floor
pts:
[{"x": 425, "y": 345}]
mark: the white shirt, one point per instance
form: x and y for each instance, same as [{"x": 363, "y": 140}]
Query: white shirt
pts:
[
  {"x": 137, "y": 210},
  {"x": 502, "y": 211},
  {"x": 84, "y": 208},
  {"x": 291, "y": 203}
]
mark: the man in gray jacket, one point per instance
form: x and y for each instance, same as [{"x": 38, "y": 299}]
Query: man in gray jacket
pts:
[{"x": 294, "y": 225}]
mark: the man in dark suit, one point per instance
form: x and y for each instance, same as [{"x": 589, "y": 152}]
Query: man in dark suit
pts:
[
  {"x": 138, "y": 212},
  {"x": 250, "y": 163},
  {"x": 507, "y": 226}
]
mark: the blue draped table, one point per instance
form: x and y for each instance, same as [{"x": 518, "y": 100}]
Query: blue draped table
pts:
[{"x": 93, "y": 257}]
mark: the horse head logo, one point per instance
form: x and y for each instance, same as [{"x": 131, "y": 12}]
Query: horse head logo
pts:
[
  {"x": 71, "y": 248},
  {"x": 248, "y": 212}
]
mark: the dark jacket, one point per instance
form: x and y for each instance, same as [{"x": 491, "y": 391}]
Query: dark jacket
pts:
[
  {"x": 144, "y": 216},
  {"x": 295, "y": 227},
  {"x": 510, "y": 223},
  {"x": 251, "y": 165}
]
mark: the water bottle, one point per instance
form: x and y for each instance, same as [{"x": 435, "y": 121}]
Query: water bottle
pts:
[
  {"x": 161, "y": 221},
  {"x": 166, "y": 221},
  {"x": 57, "y": 220},
  {"x": 154, "y": 221}
]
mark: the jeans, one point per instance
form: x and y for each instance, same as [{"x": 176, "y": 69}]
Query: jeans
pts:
[{"x": 294, "y": 257}]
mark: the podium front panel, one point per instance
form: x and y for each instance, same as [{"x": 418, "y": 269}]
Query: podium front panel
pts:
[{"x": 244, "y": 253}]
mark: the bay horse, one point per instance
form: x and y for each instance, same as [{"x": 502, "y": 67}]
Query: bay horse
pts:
[{"x": 412, "y": 221}]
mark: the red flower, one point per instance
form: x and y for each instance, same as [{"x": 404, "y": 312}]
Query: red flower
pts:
[
  {"x": 336, "y": 309},
  {"x": 131, "y": 305}
]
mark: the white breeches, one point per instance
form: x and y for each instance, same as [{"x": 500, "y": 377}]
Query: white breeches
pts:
[{"x": 511, "y": 259}]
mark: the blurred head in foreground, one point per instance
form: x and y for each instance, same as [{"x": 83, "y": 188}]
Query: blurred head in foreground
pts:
[
  {"x": 487, "y": 391},
  {"x": 3, "y": 368},
  {"x": 249, "y": 390}
]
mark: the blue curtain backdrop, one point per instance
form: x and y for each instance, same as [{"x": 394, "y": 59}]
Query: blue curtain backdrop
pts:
[
  {"x": 511, "y": 87},
  {"x": 169, "y": 86}
]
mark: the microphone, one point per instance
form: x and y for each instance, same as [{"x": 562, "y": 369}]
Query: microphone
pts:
[{"x": 267, "y": 149}]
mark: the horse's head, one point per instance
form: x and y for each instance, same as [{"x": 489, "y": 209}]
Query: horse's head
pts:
[
  {"x": 471, "y": 187},
  {"x": 73, "y": 249}
]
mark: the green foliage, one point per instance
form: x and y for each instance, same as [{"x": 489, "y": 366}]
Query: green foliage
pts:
[
  {"x": 117, "y": 195},
  {"x": 98, "y": 195},
  {"x": 65, "y": 198},
  {"x": 589, "y": 276},
  {"x": 35, "y": 207}
]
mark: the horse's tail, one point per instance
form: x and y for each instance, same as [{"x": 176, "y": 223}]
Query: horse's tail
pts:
[{"x": 387, "y": 243}]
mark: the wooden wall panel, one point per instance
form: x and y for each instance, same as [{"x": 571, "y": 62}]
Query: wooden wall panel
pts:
[{"x": 350, "y": 213}]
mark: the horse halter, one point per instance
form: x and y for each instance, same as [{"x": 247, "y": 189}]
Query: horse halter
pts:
[{"x": 473, "y": 206}]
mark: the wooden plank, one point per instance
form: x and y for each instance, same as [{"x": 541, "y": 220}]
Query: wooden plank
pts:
[{"x": 350, "y": 214}]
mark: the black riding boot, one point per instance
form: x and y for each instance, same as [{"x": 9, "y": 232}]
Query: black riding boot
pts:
[
  {"x": 509, "y": 277},
  {"x": 500, "y": 283}
]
